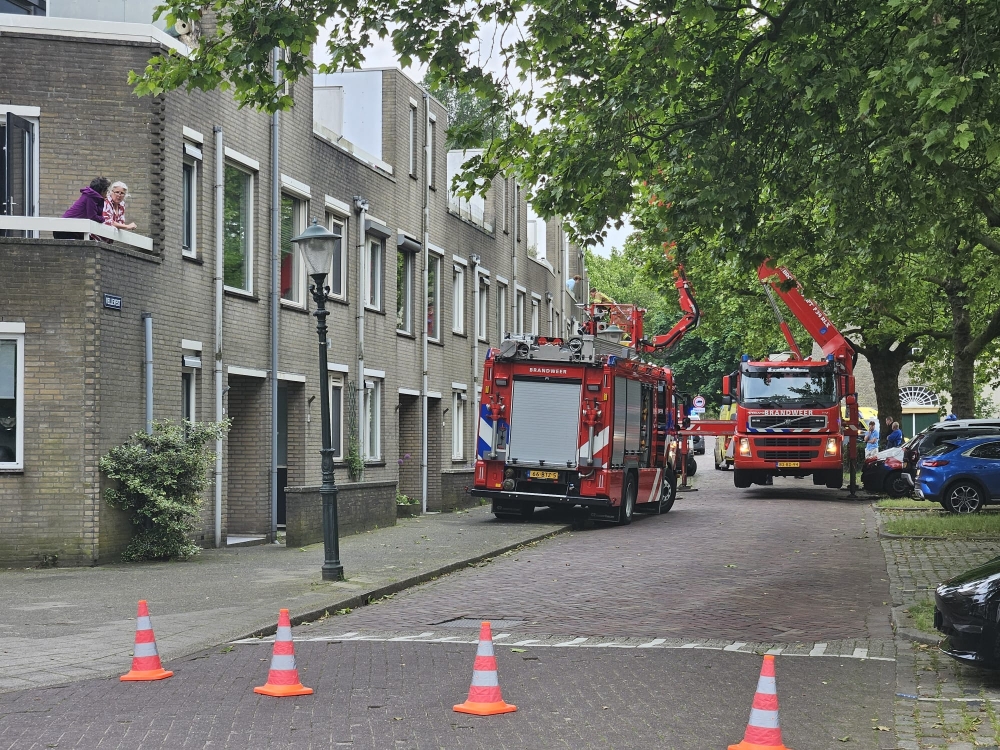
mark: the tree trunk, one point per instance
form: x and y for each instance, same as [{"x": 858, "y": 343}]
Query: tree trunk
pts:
[
  {"x": 886, "y": 365},
  {"x": 963, "y": 381}
]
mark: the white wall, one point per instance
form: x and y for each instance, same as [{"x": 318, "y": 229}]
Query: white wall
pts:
[
  {"x": 362, "y": 107},
  {"x": 128, "y": 11}
]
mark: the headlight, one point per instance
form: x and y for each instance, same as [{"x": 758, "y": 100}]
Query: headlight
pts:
[
  {"x": 832, "y": 446},
  {"x": 508, "y": 484},
  {"x": 745, "y": 447},
  {"x": 509, "y": 473}
]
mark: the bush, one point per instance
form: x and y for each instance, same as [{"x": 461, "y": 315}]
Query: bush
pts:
[{"x": 161, "y": 477}]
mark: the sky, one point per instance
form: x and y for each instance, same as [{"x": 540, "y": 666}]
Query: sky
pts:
[{"x": 381, "y": 55}]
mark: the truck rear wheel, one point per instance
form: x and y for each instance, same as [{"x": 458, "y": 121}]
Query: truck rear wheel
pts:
[
  {"x": 627, "y": 507},
  {"x": 742, "y": 478},
  {"x": 835, "y": 479}
]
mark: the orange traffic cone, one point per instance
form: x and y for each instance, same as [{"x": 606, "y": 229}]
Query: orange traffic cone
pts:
[
  {"x": 763, "y": 731},
  {"x": 145, "y": 660},
  {"x": 283, "y": 678},
  {"x": 484, "y": 694}
]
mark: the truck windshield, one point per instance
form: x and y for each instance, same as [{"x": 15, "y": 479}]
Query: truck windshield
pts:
[{"x": 787, "y": 387}]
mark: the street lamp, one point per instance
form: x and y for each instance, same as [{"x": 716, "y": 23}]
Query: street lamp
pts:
[{"x": 318, "y": 246}]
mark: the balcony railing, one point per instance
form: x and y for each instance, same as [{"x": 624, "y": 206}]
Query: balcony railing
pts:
[{"x": 36, "y": 224}]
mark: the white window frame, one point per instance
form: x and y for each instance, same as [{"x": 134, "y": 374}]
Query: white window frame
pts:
[
  {"x": 458, "y": 399},
  {"x": 501, "y": 311},
  {"x": 190, "y": 160},
  {"x": 458, "y": 299},
  {"x": 433, "y": 257},
  {"x": 15, "y": 332},
  {"x": 535, "y": 312},
  {"x": 484, "y": 308},
  {"x": 300, "y": 218},
  {"x": 335, "y": 381},
  {"x": 375, "y": 270},
  {"x": 242, "y": 167},
  {"x": 32, "y": 115},
  {"x": 189, "y": 393},
  {"x": 432, "y": 157},
  {"x": 552, "y": 321},
  {"x": 337, "y": 220},
  {"x": 413, "y": 139},
  {"x": 373, "y": 420},
  {"x": 408, "y": 266},
  {"x": 519, "y": 311}
]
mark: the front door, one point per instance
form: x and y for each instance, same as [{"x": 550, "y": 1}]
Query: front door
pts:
[{"x": 282, "y": 452}]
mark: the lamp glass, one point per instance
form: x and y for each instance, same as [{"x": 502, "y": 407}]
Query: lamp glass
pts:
[
  {"x": 613, "y": 334},
  {"x": 318, "y": 245}
]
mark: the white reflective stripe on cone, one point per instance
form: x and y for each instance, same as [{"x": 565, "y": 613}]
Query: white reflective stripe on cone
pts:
[
  {"x": 763, "y": 719},
  {"x": 144, "y": 649},
  {"x": 485, "y": 648},
  {"x": 484, "y": 679},
  {"x": 766, "y": 685},
  {"x": 283, "y": 634},
  {"x": 143, "y": 623},
  {"x": 283, "y": 662}
]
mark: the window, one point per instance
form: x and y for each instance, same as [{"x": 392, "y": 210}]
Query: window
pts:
[
  {"x": 23, "y": 7},
  {"x": 432, "y": 135},
  {"x": 552, "y": 326},
  {"x": 534, "y": 316},
  {"x": 18, "y": 165},
  {"x": 413, "y": 141},
  {"x": 519, "y": 310},
  {"x": 293, "y": 215},
  {"x": 189, "y": 411},
  {"x": 501, "y": 311},
  {"x": 558, "y": 330},
  {"x": 433, "y": 297},
  {"x": 458, "y": 425},
  {"x": 373, "y": 420},
  {"x": 373, "y": 279},
  {"x": 339, "y": 270},
  {"x": 458, "y": 299},
  {"x": 503, "y": 204},
  {"x": 404, "y": 292},
  {"x": 484, "y": 308},
  {"x": 189, "y": 208},
  {"x": 337, "y": 415},
  {"x": 986, "y": 450},
  {"x": 11, "y": 396},
  {"x": 238, "y": 227}
]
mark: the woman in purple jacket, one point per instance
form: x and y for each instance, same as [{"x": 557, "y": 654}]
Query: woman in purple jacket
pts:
[{"x": 90, "y": 205}]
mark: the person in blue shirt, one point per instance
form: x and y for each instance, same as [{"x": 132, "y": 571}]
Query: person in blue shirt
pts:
[
  {"x": 871, "y": 438},
  {"x": 895, "y": 438}
]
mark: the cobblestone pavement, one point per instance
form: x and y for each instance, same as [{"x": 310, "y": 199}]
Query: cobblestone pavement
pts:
[{"x": 939, "y": 702}]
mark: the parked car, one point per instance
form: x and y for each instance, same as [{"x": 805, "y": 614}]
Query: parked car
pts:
[
  {"x": 697, "y": 444},
  {"x": 961, "y": 474},
  {"x": 883, "y": 472},
  {"x": 966, "y": 610},
  {"x": 938, "y": 432}
]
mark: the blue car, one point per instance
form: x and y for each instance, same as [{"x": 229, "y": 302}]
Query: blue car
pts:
[{"x": 961, "y": 474}]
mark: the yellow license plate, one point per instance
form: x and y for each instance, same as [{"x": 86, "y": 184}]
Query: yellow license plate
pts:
[
  {"x": 543, "y": 475},
  {"x": 788, "y": 464}
]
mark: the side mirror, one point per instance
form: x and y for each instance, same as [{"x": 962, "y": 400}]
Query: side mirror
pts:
[
  {"x": 727, "y": 400},
  {"x": 725, "y": 389}
]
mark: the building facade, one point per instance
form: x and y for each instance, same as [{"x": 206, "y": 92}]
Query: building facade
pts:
[{"x": 421, "y": 277}]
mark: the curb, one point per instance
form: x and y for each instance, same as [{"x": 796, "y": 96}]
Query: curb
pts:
[
  {"x": 366, "y": 597},
  {"x": 899, "y": 616}
]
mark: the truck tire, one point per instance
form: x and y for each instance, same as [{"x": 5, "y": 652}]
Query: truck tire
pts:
[
  {"x": 896, "y": 486},
  {"x": 629, "y": 494},
  {"x": 834, "y": 479},
  {"x": 668, "y": 493},
  {"x": 742, "y": 478},
  {"x": 692, "y": 465}
]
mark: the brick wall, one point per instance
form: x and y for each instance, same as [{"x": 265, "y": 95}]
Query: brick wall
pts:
[
  {"x": 360, "y": 506},
  {"x": 455, "y": 485},
  {"x": 249, "y": 451}
]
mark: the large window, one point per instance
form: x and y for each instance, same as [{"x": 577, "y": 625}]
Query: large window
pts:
[
  {"x": 433, "y": 297},
  {"x": 189, "y": 207},
  {"x": 293, "y": 220},
  {"x": 11, "y": 397},
  {"x": 458, "y": 425},
  {"x": 338, "y": 272},
  {"x": 552, "y": 320},
  {"x": 189, "y": 405},
  {"x": 501, "y": 311},
  {"x": 413, "y": 141},
  {"x": 458, "y": 299},
  {"x": 337, "y": 415},
  {"x": 404, "y": 292},
  {"x": 519, "y": 309},
  {"x": 373, "y": 279},
  {"x": 23, "y": 7},
  {"x": 534, "y": 317},
  {"x": 238, "y": 226},
  {"x": 483, "y": 322},
  {"x": 433, "y": 155},
  {"x": 373, "y": 420}
]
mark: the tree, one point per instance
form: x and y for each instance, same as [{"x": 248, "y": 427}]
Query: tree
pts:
[{"x": 470, "y": 123}]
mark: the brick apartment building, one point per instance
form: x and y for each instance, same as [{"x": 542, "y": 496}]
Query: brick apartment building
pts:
[{"x": 74, "y": 314}]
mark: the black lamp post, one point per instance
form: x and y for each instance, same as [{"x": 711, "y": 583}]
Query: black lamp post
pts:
[{"x": 318, "y": 246}]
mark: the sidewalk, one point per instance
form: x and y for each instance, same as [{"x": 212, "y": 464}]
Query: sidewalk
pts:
[
  {"x": 939, "y": 702},
  {"x": 76, "y": 623}
]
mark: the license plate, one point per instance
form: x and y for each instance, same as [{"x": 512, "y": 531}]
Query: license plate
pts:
[
  {"x": 543, "y": 474},
  {"x": 788, "y": 464}
]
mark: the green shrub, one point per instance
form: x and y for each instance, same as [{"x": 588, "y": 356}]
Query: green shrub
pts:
[{"x": 161, "y": 478}]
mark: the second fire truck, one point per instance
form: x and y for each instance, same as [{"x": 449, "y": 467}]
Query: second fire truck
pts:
[{"x": 582, "y": 421}]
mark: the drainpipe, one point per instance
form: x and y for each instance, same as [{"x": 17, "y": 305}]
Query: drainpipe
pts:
[
  {"x": 275, "y": 303},
  {"x": 515, "y": 239},
  {"x": 361, "y": 206},
  {"x": 564, "y": 252},
  {"x": 147, "y": 322},
  {"x": 219, "y": 270},
  {"x": 474, "y": 259},
  {"x": 428, "y": 166}
]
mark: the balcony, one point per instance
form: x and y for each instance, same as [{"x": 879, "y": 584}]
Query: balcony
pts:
[{"x": 32, "y": 227}]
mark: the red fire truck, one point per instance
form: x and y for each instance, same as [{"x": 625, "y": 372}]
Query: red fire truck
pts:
[
  {"x": 788, "y": 420},
  {"x": 582, "y": 421}
]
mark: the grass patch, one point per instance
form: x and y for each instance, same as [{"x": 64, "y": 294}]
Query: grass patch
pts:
[
  {"x": 922, "y": 614},
  {"x": 950, "y": 525},
  {"x": 903, "y": 502}
]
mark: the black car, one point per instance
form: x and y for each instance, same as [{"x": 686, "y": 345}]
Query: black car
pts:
[
  {"x": 938, "y": 432},
  {"x": 966, "y": 610},
  {"x": 883, "y": 472}
]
